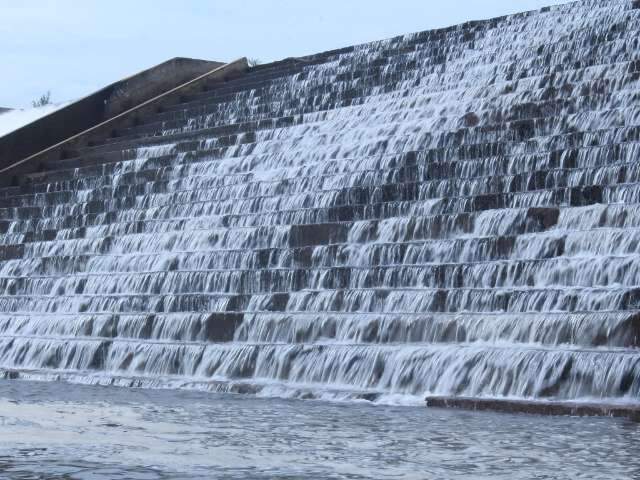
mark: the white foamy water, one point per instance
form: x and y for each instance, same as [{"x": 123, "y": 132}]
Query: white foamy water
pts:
[{"x": 449, "y": 213}]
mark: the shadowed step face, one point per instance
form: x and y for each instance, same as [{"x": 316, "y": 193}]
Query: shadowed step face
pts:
[{"x": 453, "y": 213}]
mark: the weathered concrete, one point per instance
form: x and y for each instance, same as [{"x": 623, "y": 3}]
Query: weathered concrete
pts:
[
  {"x": 13, "y": 166},
  {"x": 539, "y": 407},
  {"x": 98, "y": 107}
]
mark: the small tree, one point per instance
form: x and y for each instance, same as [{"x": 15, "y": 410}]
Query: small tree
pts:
[
  {"x": 45, "y": 99},
  {"x": 254, "y": 61}
]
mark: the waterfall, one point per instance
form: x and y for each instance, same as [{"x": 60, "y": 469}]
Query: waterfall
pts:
[{"x": 453, "y": 212}]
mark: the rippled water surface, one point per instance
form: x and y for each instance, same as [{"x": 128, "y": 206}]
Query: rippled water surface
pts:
[{"x": 55, "y": 430}]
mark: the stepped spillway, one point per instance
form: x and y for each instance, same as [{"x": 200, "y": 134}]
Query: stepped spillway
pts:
[{"x": 454, "y": 212}]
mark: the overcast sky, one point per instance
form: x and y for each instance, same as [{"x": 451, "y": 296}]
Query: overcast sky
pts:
[{"x": 73, "y": 47}]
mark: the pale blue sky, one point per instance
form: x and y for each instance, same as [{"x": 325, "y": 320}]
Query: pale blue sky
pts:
[{"x": 73, "y": 47}]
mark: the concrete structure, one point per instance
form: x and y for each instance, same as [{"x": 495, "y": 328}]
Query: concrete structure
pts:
[
  {"x": 98, "y": 116},
  {"x": 452, "y": 212},
  {"x": 99, "y": 106}
]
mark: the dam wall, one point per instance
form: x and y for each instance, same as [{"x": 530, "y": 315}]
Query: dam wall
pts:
[{"x": 452, "y": 214}]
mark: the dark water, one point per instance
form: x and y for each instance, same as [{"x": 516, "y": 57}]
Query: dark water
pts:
[{"x": 60, "y": 431}]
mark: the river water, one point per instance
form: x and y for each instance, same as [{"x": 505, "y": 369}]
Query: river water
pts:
[{"x": 62, "y": 431}]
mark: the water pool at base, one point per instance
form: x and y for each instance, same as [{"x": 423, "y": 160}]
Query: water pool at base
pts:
[{"x": 62, "y": 431}]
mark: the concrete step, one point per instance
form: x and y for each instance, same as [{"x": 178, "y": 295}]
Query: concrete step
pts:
[
  {"x": 515, "y": 113},
  {"x": 459, "y": 164},
  {"x": 425, "y": 301},
  {"x": 497, "y": 274},
  {"x": 519, "y": 139},
  {"x": 487, "y": 193},
  {"x": 365, "y": 87},
  {"x": 545, "y": 83},
  {"x": 436, "y": 180}
]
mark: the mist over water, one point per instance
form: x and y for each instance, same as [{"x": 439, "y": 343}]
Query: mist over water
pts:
[{"x": 446, "y": 213}]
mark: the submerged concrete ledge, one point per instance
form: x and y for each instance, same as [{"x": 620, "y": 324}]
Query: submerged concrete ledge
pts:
[{"x": 577, "y": 409}]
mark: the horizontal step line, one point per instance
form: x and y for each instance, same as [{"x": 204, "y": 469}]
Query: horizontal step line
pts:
[
  {"x": 480, "y": 345},
  {"x": 552, "y": 233},
  {"x": 345, "y": 290},
  {"x": 322, "y": 268},
  {"x": 325, "y": 313}
]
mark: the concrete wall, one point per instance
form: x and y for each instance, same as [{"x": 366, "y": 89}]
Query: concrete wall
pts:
[
  {"x": 12, "y": 167},
  {"x": 98, "y": 107}
]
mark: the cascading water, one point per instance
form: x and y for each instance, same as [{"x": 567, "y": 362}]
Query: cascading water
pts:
[{"x": 454, "y": 212}]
